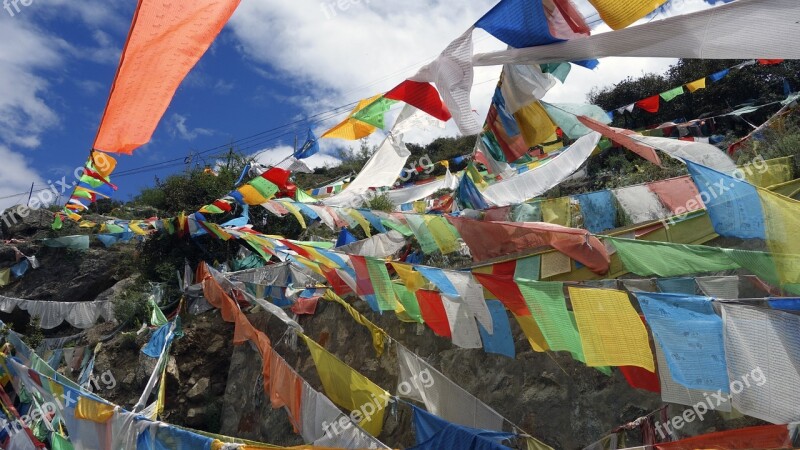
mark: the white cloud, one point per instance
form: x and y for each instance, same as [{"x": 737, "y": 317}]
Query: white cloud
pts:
[
  {"x": 16, "y": 175},
  {"x": 336, "y": 55},
  {"x": 24, "y": 114},
  {"x": 178, "y": 127},
  {"x": 275, "y": 155}
]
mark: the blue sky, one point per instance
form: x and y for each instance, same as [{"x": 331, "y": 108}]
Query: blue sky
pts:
[{"x": 276, "y": 62}]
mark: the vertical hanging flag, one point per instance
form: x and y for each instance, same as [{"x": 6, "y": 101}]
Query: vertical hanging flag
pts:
[
  {"x": 165, "y": 41},
  {"x": 690, "y": 334},
  {"x": 611, "y": 331},
  {"x": 733, "y": 205}
]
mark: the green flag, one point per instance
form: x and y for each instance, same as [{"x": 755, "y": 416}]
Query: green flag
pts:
[
  {"x": 375, "y": 112},
  {"x": 672, "y": 93}
]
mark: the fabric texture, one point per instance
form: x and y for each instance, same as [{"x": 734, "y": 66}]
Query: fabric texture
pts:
[
  {"x": 52, "y": 314},
  {"x": 619, "y": 14},
  {"x": 731, "y": 25},
  {"x": 518, "y": 23},
  {"x": 433, "y": 433},
  {"x": 735, "y": 210},
  {"x": 622, "y": 137},
  {"x": 719, "y": 287},
  {"x": 766, "y": 436},
  {"x": 566, "y": 117},
  {"x": 763, "y": 344},
  {"x": 346, "y": 387},
  {"x": 679, "y": 195},
  {"x": 378, "y": 246},
  {"x": 421, "y": 233},
  {"x": 532, "y": 183},
  {"x": 599, "y": 211},
  {"x": 690, "y": 333},
  {"x": 433, "y": 312},
  {"x": 499, "y": 340},
  {"x": 548, "y": 307},
  {"x": 176, "y": 36},
  {"x": 611, "y": 331},
  {"x": 673, "y": 392},
  {"x": 382, "y": 169},
  {"x": 452, "y": 74},
  {"x": 512, "y": 237},
  {"x": 697, "y": 152},
  {"x": 640, "y": 204},
  {"x": 422, "y": 96},
  {"x": 523, "y": 85},
  {"x": 681, "y": 285},
  {"x": 351, "y": 128},
  {"x": 663, "y": 259},
  {"x": 443, "y": 233},
  {"x": 442, "y": 396}
]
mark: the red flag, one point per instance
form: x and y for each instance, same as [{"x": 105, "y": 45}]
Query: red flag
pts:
[
  {"x": 433, "y": 312},
  {"x": 422, "y": 96},
  {"x": 650, "y": 104}
]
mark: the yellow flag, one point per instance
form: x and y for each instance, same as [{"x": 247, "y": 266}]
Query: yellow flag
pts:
[
  {"x": 611, "y": 331},
  {"x": 251, "y": 195},
  {"x": 534, "y": 124},
  {"x": 5, "y": 277},
  {"x": 781, "y": 223},
  {"x": 413, "y": 280},
  {"x": 353, "y": 129},
  {"x": 533, "y": 333},
  {"x": 362, "y": 222},
  {"x": 134, "y": 226},
  {"x": 378, "y": 335},
  {"x": 621, "y": 13},
  {"x": 296, "y": 213},
  {"x": 93, "y": 410},
  {"x": 349, "y": 389},
  {"x": 557, "y": 211},
  {"x": 444, "y": 235},
  {"x": 696, "y": 85}
]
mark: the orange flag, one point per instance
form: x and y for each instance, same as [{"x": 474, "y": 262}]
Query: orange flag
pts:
[{"x": 166, "y": 40}]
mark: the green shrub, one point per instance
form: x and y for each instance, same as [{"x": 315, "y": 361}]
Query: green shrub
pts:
[
  {"x": 131, "y": 306},
  {"x": 380, "y": 202}
]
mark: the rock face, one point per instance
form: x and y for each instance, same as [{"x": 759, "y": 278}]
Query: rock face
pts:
[{"x": 22, "y": 222}]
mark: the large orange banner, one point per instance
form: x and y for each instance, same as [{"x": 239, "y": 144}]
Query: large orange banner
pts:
[{"x": 166, "y": 40}]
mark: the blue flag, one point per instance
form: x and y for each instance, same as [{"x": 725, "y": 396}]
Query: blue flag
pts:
[
  {"x": 310, "y": 148},
  {"x": 690, "y": 333},
  {"x": 733, "y": 205},
  {"x": 518, "y": 23},
  {"x": 345, "y": 237}
]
